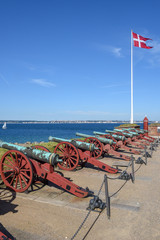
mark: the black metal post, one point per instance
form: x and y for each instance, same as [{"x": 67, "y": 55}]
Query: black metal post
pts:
[
  {"x": 151, "y": 149},
  {"x": 146, "y": 154},
  {"x": 107, "y": 196},
  {"x": 155, "y": 145},
  {"x": 133, "y": 175}
]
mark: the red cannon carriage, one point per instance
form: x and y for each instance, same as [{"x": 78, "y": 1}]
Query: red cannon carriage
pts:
[
  {"x": 105, "y": 146},
  {"x": 19, "y": 165},
  {"x": 138, "y": 137},
  {"x": 130, "y": 138},
  {"x": 74, "y": 153},
  {"x": 143, "y": 134},
  {"x": 4, "y": 237},
  {"x": 119, "y": 140}
]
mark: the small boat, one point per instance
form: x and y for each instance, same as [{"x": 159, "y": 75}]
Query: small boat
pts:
[{"x": 4, "y": 126}]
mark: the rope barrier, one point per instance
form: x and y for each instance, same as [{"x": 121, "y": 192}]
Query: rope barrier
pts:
[
  {"x": 119, "y": 189},
  {"x": 87, "y": 214},
  {"x": 104, "y": 181},
  {"x": 92, "y": 225}
]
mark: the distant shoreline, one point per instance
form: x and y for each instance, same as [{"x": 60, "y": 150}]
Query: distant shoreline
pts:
[{"x": 64, "y": 122}]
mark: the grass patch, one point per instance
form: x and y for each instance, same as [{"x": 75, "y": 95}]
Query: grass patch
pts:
[
  {"x": 49, "y": 145},
  {"x": 2, "y": 151},
  {"x": 128, "y": 125}
]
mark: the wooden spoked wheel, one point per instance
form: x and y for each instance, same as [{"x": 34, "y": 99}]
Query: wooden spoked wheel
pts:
[
  {"x": 39, "y": 147},
  {"x": 97, "y": 152},
  {"x": 16, "y": 171},
  {"x": 36, "y": 178},
  {"x": 69, "y": 154}
]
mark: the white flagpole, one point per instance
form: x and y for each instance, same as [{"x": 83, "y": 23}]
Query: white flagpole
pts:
[{"x": 131, "y": 79}]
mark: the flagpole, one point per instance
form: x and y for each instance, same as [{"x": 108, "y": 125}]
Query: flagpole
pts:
[{"x": 131, "y": 121}]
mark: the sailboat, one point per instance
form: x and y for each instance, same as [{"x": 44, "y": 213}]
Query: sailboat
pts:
[{"x": 4, "y": 126}]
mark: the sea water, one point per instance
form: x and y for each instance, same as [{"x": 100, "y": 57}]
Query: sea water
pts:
[{"x": 37, "y": 132}]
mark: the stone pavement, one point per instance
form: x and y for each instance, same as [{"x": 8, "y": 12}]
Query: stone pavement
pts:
[{"x": 50, "y": 213}]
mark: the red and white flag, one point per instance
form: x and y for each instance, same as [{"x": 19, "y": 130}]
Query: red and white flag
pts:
[{"x": 140, "y": 41}]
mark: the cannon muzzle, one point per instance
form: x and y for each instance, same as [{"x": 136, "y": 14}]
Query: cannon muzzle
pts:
[
  {"x": 103, "y": 140},
  {"x": 32, "y": 153},
  {"x": 117, "y": 137},
  {"x": 82, "y": 145}
]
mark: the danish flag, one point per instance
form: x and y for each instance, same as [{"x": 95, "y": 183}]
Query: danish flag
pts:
[{"x": 140, "y": 41}]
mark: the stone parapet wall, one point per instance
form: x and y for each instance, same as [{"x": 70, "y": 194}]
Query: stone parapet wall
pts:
[{"x": 152, "y": 131}]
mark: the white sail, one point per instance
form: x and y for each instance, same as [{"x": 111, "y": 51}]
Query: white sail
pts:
[{"x": 4, "y": 126}]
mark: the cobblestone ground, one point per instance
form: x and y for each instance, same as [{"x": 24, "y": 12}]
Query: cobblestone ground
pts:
[{"x": 50, "y": 213}]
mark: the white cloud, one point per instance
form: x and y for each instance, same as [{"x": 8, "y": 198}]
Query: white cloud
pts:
[
  {"x": 115, "y": 85},
  {"x": 41, "y": 68},
  {"x": 43, "y": 82},
  {"x": 117, "y": 52},
  {"x": 156, "y": 47},
  {"x": 3, "y": 79},
  {"x": 151, "y": 56}
]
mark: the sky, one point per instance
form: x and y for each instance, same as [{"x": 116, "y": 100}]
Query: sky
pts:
[{"x": 71, "y": 60}]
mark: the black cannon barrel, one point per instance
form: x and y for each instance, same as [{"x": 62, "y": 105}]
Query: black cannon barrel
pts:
[{"x": 32, "y": 153}]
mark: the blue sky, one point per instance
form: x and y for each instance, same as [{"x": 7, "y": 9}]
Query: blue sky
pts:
[{"x": 70, "y": 60}]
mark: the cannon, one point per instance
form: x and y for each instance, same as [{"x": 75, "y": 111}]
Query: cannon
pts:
[
  {"x": 138, "y": 136},
  {"x": 4, "y": 237},
  {"x": 19, "y": 165},
  {"x": 105, "y": 146},
  {"x": 77, "y": 144},
  {"x": 126, "y": 135},
  {"x": 143, "y": 134},
  {"x": 75, "y": 153},
  {"x": 137, "y": 130},
  {"x": 114, "y": 136},
  {"x": 120, "y": 141},
  {"x": 126, "y": 131},
  {"x": 130, "y": 139}
]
